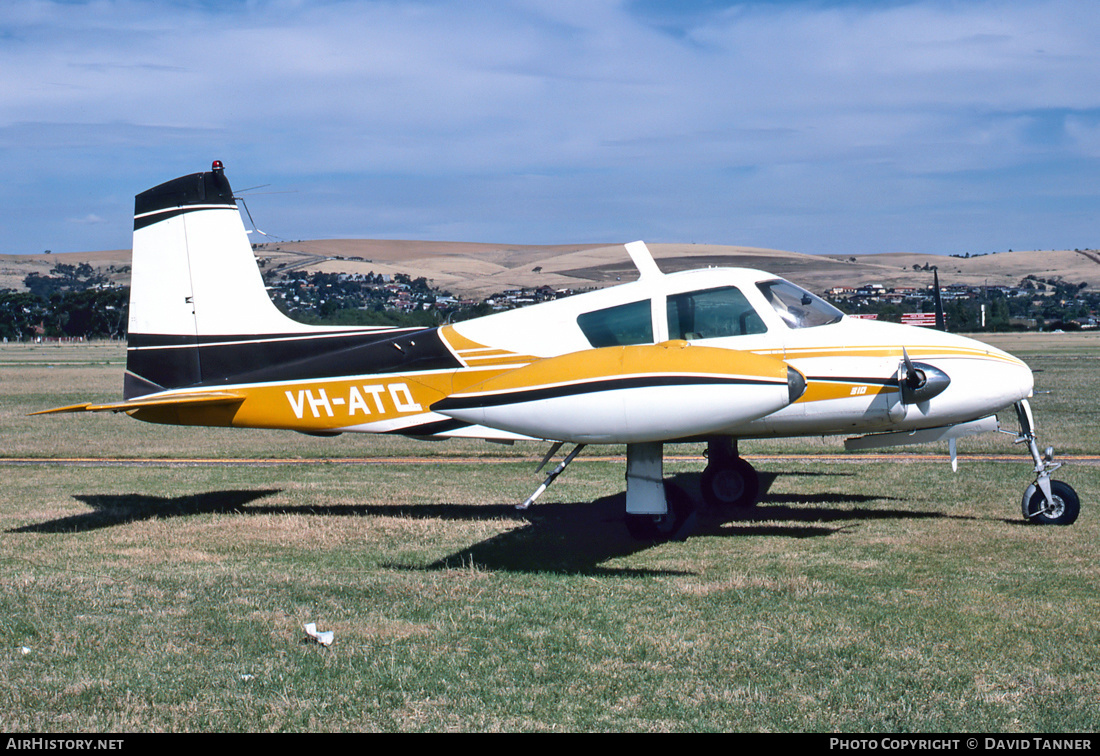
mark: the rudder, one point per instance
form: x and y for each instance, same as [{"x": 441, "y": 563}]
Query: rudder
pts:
[{"x": 193, "y": 277}]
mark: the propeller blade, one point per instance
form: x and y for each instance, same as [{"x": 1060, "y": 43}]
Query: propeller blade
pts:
[
  {"x": 914, "y": 378},
  {"x": 941, "y": 325}
]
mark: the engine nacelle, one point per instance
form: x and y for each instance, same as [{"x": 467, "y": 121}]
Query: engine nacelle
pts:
[{"x": 629, "y": 394}]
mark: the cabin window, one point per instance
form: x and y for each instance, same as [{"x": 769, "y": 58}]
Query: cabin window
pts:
[
  {"x": 618, "y": 326},
  {"x": 797, "y": 307},
  {"x": 712, "y": 314}
]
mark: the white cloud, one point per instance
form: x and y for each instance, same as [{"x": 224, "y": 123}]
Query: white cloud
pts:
[
  {"x": 91, "y": 219},
  {"x": 704, "y": 113}
]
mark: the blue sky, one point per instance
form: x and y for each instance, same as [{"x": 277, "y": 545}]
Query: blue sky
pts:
[{"x": 821, "y": 127}]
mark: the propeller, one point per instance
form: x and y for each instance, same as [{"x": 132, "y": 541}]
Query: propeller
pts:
[
  {"x": 941, "y": 324},
  {"x": 919, "y": 381},
  {"x": 914, "y": 378}
]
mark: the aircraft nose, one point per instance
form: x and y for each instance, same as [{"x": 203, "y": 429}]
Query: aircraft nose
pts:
[
  {"x": 983, "y": 380},
  {"x": 1025, "y": 382},
  {"x": 1007, "y": 380}
]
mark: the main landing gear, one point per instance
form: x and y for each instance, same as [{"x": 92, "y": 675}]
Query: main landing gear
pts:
[
  {"x": 659, "y": 511},
  {"x": 728, "y": 482},
  {"x": 1046, "y": 501},
  {"x": 655, "y": 510}
]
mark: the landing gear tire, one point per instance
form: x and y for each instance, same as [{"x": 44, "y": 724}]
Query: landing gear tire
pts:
[
  {"x": 730, "y": 485},
  {"x": 1064, "y": 511},
  {"x": 656, "y": 528}
]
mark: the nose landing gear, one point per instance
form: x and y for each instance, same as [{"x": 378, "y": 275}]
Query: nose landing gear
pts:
[{"x": 1046, "y": 501}]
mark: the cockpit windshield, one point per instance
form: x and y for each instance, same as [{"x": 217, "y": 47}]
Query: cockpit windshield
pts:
[{"x": 797, "y": 307}]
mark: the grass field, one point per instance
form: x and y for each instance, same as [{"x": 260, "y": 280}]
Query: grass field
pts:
[{"x": 862, "y": 597}]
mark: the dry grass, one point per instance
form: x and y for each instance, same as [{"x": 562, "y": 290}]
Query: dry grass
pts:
[
  {"x": 173, "y": 599},
  {"x": 860, "y": 597}
]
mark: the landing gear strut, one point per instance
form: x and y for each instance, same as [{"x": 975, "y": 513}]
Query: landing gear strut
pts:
[
  {"x": 728, "y": 481},
  {"x": 1046, "y": 501},
  {"x": 655, "y": 510},
  {"x": 660, "y": 511}
]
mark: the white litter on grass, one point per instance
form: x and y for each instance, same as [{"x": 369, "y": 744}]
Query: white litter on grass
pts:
[
  {"x": 324, "y": 638},
  {"x": 24, "y": 650}
]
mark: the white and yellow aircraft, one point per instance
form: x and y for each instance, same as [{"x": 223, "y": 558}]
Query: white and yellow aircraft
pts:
[{"x": 712, "y": 355}]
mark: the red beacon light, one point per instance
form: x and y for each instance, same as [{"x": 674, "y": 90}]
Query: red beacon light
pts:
[{"x": 217, "y": 166}]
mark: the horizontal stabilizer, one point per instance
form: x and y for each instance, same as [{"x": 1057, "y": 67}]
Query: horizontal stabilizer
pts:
[
  {"x": 926, "y": 436},
  {"x": 209, "y": 398}
]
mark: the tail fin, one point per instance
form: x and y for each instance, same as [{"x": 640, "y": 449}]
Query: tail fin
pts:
[{"x": 199, "y": 311}]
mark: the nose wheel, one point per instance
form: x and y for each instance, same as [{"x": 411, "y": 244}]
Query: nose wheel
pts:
[
  {"x": 1046, "y": 501},
  {"x": 1062, "y": 509}
]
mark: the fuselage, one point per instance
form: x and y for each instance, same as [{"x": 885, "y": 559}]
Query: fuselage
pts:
[{"x": 850, "y": 366}]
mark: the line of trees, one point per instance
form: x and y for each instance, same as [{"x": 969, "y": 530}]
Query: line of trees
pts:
[
  {"x": 72, "y": 300},
  {"x": 90, "y": 314},
  {"x": 77, "y": 301},
  {"x": 80, "y": 302}
]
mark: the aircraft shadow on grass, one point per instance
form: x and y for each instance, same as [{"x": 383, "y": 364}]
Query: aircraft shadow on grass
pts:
[
  {"x": 572, "y": 537},
  {"x": 109, "y": 510},
  {"x": 580, "y": 537}
]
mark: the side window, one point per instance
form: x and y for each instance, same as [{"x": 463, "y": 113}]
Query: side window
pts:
[
  {"x": 618, "y": 326},
  {"x": 711, "y": 314}
]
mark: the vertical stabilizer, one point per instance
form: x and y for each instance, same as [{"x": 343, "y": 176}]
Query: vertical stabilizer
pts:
[
  {"x": 194, "y": 280},
  {"x": 194, "y": 273}
]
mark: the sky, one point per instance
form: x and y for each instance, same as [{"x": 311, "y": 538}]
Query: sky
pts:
[{"x": 816, "y": 126}]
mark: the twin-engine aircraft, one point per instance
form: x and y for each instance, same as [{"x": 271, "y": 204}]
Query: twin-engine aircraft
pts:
[{"x": 714, "y": 356}]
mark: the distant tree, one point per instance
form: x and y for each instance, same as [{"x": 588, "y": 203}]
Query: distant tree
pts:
[
  {"x": 64, "y": 277},
  {"x": 20, "y": 312}
]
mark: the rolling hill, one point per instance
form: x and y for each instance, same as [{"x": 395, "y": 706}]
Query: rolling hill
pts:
[{"x": 477, "y": 270}]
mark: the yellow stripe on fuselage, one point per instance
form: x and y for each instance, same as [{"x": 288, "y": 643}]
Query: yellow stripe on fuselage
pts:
[
  {"x": 329, "y": 404},
  {"x": 471, "y": 353},
  {"x": 920, "y": 352},
  {"x": 819, "y": 390}
]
